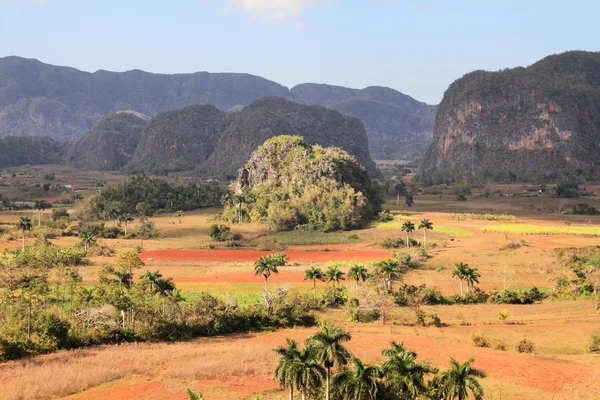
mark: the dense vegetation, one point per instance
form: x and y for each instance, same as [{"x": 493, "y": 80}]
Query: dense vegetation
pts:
[
  {"x": 32, "y": 150},
  {"x": 537, "y": 124},
  {"x": 145, "y": 196},
  {"x": 290, "y": 184}
]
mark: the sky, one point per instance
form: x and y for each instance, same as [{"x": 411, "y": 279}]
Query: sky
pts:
[{"x": 418, "y": 47}]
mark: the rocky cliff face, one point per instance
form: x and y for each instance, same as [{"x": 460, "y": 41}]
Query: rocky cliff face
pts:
[
  {"x": 110, "y": 144},
  {"x": 540, "y": 123}
]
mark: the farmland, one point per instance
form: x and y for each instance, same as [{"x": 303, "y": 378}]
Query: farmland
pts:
[{"x": 240, "y": 366}]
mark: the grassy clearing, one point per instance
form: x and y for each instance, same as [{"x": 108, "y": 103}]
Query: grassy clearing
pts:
[
  {"x": 399, "y": 219},
  {"x": 311, "y": 238},
  {"x": 527, "y": 229},
  {"x": 482, "y": 217},
  {"x": 452, "y": 231}
]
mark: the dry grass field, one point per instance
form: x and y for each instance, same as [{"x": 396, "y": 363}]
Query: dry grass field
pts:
[{"x": 241, "y": 366}]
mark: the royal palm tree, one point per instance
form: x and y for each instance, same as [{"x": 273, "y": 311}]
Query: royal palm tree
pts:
[
  {"x": 471, "y": 277},
  {"x": 24, "y": 224},
  {"x": 358, "y": 273},
  {"x": 329, "y": 350},
  {"x": 40, "y": 206},
  {"x": 287, "y": 372},
  {"x": 408, "y": 227},
  {"x": 151, "y": 277},
  {"x": 314, "y": 274},
  {"x": 334, "y": 274},
  {"x": 311, "y": 373},
  {"x": 390, "y": 270},
  {"x": 459, "y": 272},
  {"x": 360, "y": 383},
  {"x": 124, "y": 219},
  {"x": 403, "y": 374},
  {"x": 87, "y": 237},
  {"x": 179, "y": 214},
  {"x": 456, "y": 382},
  {"x": 267, "y": 265},
  {"x": 425, "y": 225}
]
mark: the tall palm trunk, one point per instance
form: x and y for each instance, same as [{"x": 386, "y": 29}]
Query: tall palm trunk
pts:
[
  {"x": 292, "y": 392},
  {"x": 461, "y": 287},
  {"x": 425, "y": 239},
  {"x": 407, "y": 240},
  {"x": 23, "y": 240},
  {"x": 266, "y": 283},
  {"x": 328, "y": 379},
  {"x": 304, "y": 392},
  {"x": 315, "y": 288},
  {"x": 39, "y": 218},
  {"x": 125, "y": 227}
]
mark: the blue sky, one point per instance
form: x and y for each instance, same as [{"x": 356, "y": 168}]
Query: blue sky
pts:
[{"x": 416, "y": 47}]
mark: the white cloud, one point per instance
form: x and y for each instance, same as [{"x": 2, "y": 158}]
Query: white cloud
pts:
[
  {"x": 274, "y": 10},
  {"x": 300, "y": 25}
]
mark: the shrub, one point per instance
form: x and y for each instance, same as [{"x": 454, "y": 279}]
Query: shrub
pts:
[
  {"x": 480, "y": 341},
  {"x": 593, "y": 345},
  {"x": 385, "y": 216},
  {"x": 503, "y": 314},
  {"x": 218, "y": 232},
  {"x": 525, "y": 346},
  {"x": 391, "y": 243}
]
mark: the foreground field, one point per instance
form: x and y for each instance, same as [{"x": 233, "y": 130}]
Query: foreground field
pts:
[{"x": 241, "y": 366}]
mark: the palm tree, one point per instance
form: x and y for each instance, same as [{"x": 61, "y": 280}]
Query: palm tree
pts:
[
  {"x": 24, "y": 224},
  {"x": 459, "y": 272},
  {"x": 334, "y": 274},
  {"x": 194, "y": 396},
  {"x": 330, "y": 351},
  {"x": 288, "y": 369},
  {"x": 87, "y": 237},
  {"x": 151, "y": 277},
  {"x": 125, "y": 218},
  {"x": 315, "y": 274},
  {"x": 460, "y": 379},
  {"x": 267, "y": 265},
  {"x": 471, "y": 277},
  {"x": 40, "y": 206},
  {"x": 358, "y": 272},
  {"x": 408, "y": 227},
  {"x": 179, "y": 214},
  {"x": 311, "y": 373},
  {"x": 403, "y": 374},
  {"x": 360, "y": 383},
  {"x": 390, "y": 270},
  {"x": 425, "y": 225}
]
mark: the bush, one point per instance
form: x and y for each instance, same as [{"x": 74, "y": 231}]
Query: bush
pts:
[
  {"x": 385, "y": 216},
  {"x": 334, "y": 297},
  {"x": 480, "y": 341},
  {"x": 593, "y": 345},
  {"x": 525, "y": 346},
  {"x": 391, "y": 243},
  {"x": 219, "y": 233}
]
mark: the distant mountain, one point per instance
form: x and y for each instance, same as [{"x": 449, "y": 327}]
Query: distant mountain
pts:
[
  {"x": 30, "y": 150},
  {"x": 540, "y": 123},
  {"x": 273, "y": 116},
  {"x": 394, "y": 121},
  {"x": 179, "y": 140},
  {"x": 110, "y": 144},
  {"x": 216, "y": 143},
  {"x": 38, "y": 99}
]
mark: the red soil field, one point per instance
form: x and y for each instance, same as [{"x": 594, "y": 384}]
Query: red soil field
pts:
[{"x": 253, "y": 255}]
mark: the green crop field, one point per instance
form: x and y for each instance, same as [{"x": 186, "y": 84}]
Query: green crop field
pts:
[{"x": 527, "y": 229}]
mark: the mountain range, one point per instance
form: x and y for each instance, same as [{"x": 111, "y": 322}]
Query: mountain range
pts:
[{"x": 63, "y": 103}]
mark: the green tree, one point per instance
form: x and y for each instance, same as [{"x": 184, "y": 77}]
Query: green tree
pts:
[
  {"x": 460, "y": 272},
  {"x": 408, "y": 227},
  {"x": 39, "y": 206},
  {"x": 151, "y": 278},
  {"x": 403, "y": 374},
  {"x": 456, "y": 382},
  {"x": 267, "y": 265},
  {"x": 315, "y": 274},
  {"x": 87, "y": 237},
  {"x": 194, "y": 396},
  {"x": 390, "y": 270},
  {"x": 180, "y": 214},
  {"x": 425, "y": 225},
  {"x": 125, "y": 219},
  {"x": 311, "y": 373},
  {"x": 359, "y": 383},
  {"x": 358, "y": 272},
  {"x": 24, "y": 224},
  {"x": 145, "y": 231},
  {"x": 288, "y": 370},
  {"x": 334, "y": 275},
  {"x": 330, "y": 351},
  {"x": 471, "y": 276}
]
